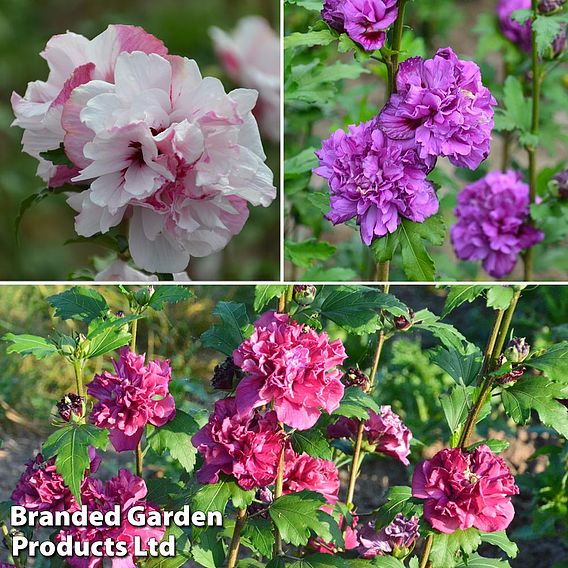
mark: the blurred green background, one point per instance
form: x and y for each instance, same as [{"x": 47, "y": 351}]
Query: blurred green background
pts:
[{"x": 25, "y": 27}]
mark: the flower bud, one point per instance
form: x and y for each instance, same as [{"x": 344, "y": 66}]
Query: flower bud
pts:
[
  {"x": 550, "y": 6},
  {"x": 516, "y": 371},
  {"x": 354, "y": 377},
  {"x": 226, "y": 375},
  {"x": 143, "y": 296},
  {"x": 402, "y": 324},
  {"x": 71, "y": 406},
  {"x": 517, "y": 350},
  {"x": 304, "y": 294},
  {"x": 561, "y": 182}
]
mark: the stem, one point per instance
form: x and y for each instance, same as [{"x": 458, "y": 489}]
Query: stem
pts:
[
  {"x": 532, "y": 148},
  {"x": 233, "y": 553},
  {"x": 78, "y": 368},
  {"x": 278, "y": 487},
  {"x": 383, "y": 268},
  {"x": 426, "y": 552},
  {"x": 356, "y": 461},
  {"x": 133, "y": 331},
  {"x": 139, "y": 460},
  {"x": 8, "y": 539},
  {"x": 494, "y": 349}
]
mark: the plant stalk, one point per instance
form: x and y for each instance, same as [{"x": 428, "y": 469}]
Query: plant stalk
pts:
[
  {"x": 426, "y": 552},
  {"x": 233, "y": 554},
  {"x": 356, "y": 461},
  {"x": 78, "y": 368},
  {"x": 383, "y": 268},
  {"x": 139, "y": 459},
  {"x": 494, "y": 349},
  {"x": 535, "y": 122},
  {"x": 133, "y": 332}
]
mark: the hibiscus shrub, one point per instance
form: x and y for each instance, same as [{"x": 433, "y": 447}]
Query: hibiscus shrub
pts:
[
  {"x": 421, "y": 138},
  {"x": 297, "y": 413}
]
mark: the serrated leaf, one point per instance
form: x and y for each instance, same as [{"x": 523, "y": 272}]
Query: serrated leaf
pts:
[
  {"x": 477, "y": 561},
  {"x": 300, "y": 164},
  {"x": 79, "y": 303},
  {"x": 108, "y": 335},
  {"x": 356, "y": 404},
  {"x": 320, "y": 561},
  {"x": 496, "y": 446},
  {"x": 263, "y": 293},
  {"x": 459, "y": 294},
  {"x": 175, "y": 437},
  {"x": 387, "y": 562},
  {"x": 26, "y": 344},
  {"x": 516, "y": 114},
  {"x": 297, "y": 515},
  {"x": 70, "y": 445},
  {"x": 416, "y": 262},
  {"x": 553, "y": 362},
  {"x": 212, "y": 497},
  {"x": 462, "y": 367},
  {"x": 357, "y": 309},
  {"x": 183, "y": 550},
  {"x": 447, "y": 548},
  {"x": 455, "y": 406},
  {"x": 385, "y": 247},
  {"x": 547, "y": 28},
  {"x": 312, "y": 442},
  {"x": 501, "y": 540},
  {"x": 397, "y": 500},
  {"x": 449, "y": 336},
  {"x": 499, "y": 297},
  {"x": 309, "y": 39},
  {"x": 530, "y": 393},
  {"x": 304, "y": 254},
  {"x": 228, "y": 335},
  {"x": 169, "y": 294},
  {"x": 209, "y": 551},
  {"x": 257, "y": 534}
]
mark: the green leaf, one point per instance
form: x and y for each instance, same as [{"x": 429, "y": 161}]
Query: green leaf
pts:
[
  {"x": 447, "y": 548},
  {"x": 496, "y": 446},
  {"x": 71, "y": 446},
  {"x": 387, "y": 562},
  {"x": 553, "y": 362},
  {"x": 228, "y": 335},
  {"x": 501, "y": 540},
  {"x": 336, "y": 274},
  {"x": 476, "y": 561},
  {"x": 449, "y": 336},
  {"x": 356, "y": 309},
  {"x": 536, "y": 393},
  {"x": 106, "y": 335},
  {"x": 257, "y": 534},
  {"x": 462, "y": 367},
  {"x": 548, "y": 28},
  {"x": 306, "y": 253},
  {"x": 297, "y": 515},
  {"x": 356, "y": 404},
  {"x": 313, "y": 442},
  {"x": 34, "y": 345},
  {"x": 516, "y": 114},
  {"x": 416, "y": 262},
  {"x": 212, "y": 497},
  {"x": 79, "y": 303},
  {"x": 209, "y": 551},
  {"x": 455, "y": 407},
  {"x": 167, "y": 294},
  {"x": 320, "y": 561},
  {"x": 302, "y": 163},
  {"x": 460, "y": 294},
  {"x": 397, "y": 499},
  {"x": 175, "y": 437},
  {"x": 385, "y": 247},
  {"x": 263, "y": 293},
  {"x": 499, "y": 297},
  {"x": 57, "y": 157},
  {"x": 183, "y": 550},
  {"x": 309, "y": 39}
]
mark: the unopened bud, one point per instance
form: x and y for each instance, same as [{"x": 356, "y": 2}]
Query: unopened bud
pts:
[
  {"x": 354, "y": 377},
  {"x": 304, "y": 294},
  {"x": 561, "y": 182},
  {"x": 143, "y": 296},
  {"x": 226, "y": 375},
  {"x": 550, "y": 6},
  {"x": 515, "y": 373},
  {"x": 71, "y": 406},
  {"x": 402, "y": 323},
  {"x": 517, "y": 350}
]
